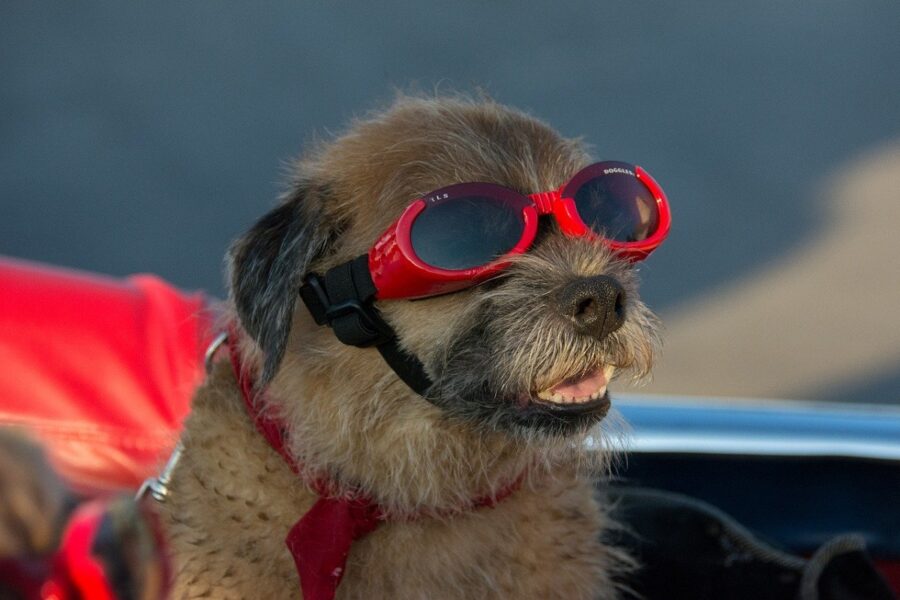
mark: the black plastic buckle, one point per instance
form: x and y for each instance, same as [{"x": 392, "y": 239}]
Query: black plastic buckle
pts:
[{"x": 364, "y": 327}]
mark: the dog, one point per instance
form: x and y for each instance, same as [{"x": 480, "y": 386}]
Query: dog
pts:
[{"x": 463, "y": 445}]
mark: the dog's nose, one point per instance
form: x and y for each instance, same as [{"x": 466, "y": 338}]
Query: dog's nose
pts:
[{"x": 596, "y": 305}]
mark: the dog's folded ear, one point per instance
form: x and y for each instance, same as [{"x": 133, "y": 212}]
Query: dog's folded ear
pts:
[{"x": 267, "y": 264}]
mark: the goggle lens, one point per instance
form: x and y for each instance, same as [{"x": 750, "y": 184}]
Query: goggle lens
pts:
[
  {"x": 618, "y": 207},
  {"x": 469, "y": 226},
  {"x": 465, "y": 232}
]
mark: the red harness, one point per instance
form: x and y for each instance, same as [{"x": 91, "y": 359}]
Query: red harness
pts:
[{"x": 320, "y": 541}]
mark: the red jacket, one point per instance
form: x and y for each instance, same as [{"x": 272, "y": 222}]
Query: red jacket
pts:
[{"x": 100, "y": 370}]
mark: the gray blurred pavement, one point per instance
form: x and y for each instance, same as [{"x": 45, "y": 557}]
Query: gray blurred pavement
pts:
[
  {"x": 143, "y": 137},
  {"x": 821, "y": 322}
]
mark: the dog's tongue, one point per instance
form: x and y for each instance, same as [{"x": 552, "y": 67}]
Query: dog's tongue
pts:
[{"x": 581, "y": 386}]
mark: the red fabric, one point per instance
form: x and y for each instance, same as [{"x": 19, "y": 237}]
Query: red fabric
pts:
[
  {"x": 320, "y": 541},
  {"x": 76, "y": 568},
  {"x": 72, "y": 572},
  {"x": 270, "y": 428},
  {"x": 100, "y": 370}
]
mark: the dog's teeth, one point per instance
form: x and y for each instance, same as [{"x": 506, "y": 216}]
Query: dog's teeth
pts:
[
  {"x": 560, "y": 398},
  {"x": 599, "y": 393}
]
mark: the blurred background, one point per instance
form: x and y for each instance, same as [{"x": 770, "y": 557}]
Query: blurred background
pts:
[{"x": 142, "y": 137}]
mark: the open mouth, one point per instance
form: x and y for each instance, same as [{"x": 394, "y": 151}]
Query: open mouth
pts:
[
  {"x": 564, "y": 408},
  {"x": 580, "y": 390},
  {"x": 574, "y": 403}
]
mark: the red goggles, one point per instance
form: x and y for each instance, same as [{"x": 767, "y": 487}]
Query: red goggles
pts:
[{"x": 460, "y": 235}]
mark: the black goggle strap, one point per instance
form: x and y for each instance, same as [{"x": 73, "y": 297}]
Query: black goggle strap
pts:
[{"x": 344, "y": 300}]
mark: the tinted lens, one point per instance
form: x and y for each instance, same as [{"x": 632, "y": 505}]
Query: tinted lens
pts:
[
  {"x": 466, "y": 232},
  {"x": 618, "y": 207}
]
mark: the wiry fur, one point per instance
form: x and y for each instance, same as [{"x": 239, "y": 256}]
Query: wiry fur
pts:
[
  {"x": 352, "y": 420},
  {"x": 517, "y": 342}
]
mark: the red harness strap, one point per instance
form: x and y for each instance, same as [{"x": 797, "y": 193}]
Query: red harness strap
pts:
[
  {"x": 76, "y": 571},
  {"x": 320, "y": 541}
]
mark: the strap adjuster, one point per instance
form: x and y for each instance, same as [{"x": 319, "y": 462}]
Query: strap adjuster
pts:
[
  {"x": 342, "y": 299},
  {"x": 354, "y": 320}
]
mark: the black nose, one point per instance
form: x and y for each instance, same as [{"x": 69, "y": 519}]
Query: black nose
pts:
[{"x": 596, "y": 305}]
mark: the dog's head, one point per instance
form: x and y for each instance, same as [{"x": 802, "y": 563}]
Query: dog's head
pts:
[{"x": 525, "y": 355}]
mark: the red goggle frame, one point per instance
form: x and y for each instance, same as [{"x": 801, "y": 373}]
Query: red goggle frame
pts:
[{"x": 397, "y": 270}]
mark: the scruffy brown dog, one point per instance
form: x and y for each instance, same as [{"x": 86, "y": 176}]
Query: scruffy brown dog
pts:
[{"x": 492, "y": 351}]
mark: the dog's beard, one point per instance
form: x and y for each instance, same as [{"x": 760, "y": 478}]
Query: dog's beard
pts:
[{"x": 498, "y": 373}]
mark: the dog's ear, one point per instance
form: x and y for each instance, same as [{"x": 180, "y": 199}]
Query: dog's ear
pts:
[{"x": 267, "y": 265}]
